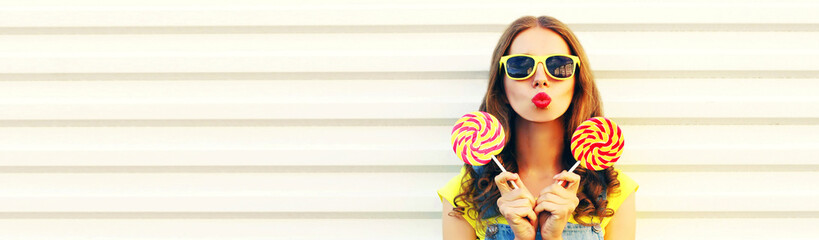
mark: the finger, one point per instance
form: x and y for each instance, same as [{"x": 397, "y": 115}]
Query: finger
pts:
[
  {"x": 532, "y": 217},
  {"x": 563, "y": 204},
  {"x": 569, "y": 177},
  {"x": 522, "y": 190},
  {"x": 555, "y": 198},
  {"x": 554, "y": 209},
  {"x": 547, "y": 207},
  {"x": 518, "y": 182},
  {"x": 543, "y": 193},
  {"x": 562, "y": 192},
  {"x": 522, "y": 195},
  {"x": 501, "y": 180},
  {"x": 521, "y": 203},
  {"x": 520, "y": 214}
]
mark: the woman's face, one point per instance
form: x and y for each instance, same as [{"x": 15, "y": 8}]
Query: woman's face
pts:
[{"x": 526, "y": 96}]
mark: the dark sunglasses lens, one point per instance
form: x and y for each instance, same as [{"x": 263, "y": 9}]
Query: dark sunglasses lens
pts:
[
  {"x": 560, "y": 66},
  {"x": 520, "y": 66}
]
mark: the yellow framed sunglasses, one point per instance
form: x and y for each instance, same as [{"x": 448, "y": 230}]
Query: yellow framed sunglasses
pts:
[{"x": 522, "y": 66}]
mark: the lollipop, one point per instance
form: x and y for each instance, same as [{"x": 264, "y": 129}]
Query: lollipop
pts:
[
  {"x": 597, "y": 144},
  {"x": 477, "y": 137}
]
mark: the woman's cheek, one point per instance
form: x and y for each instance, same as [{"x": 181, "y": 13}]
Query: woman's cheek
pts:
[{"x": 515, "y": 91}]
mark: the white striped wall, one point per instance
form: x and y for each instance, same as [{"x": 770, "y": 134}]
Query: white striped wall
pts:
[{"x": 323, "y": 119}]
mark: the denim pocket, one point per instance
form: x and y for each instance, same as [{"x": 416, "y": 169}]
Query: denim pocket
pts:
[{"x": 580, "y": 232}]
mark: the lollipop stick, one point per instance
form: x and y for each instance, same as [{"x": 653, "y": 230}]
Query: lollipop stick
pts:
[
  {"x": 515, "y": 186},
  {"x": 570, "y": 170}
]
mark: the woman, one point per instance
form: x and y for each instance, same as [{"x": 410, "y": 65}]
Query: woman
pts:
[{"x": 540, "y": 89}]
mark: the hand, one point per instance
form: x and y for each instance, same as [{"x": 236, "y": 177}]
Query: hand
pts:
[
  {"x": 556, "y": 204},
  {"x": 517, "y": 206}
]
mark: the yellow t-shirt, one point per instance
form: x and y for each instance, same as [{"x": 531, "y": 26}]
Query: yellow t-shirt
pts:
[{"x": 453, "y": 188}]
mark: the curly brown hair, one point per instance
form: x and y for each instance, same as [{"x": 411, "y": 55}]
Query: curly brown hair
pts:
[{"x": 480, "y": 190}]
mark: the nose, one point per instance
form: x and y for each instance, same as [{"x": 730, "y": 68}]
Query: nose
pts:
[{"x": 540, "y": 78}]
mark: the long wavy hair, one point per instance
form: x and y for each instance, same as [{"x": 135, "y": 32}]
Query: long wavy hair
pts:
[{"x": 480, "y": 190}]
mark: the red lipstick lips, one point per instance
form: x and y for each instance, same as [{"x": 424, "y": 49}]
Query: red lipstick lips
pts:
[{"x": 541, "y": 100}]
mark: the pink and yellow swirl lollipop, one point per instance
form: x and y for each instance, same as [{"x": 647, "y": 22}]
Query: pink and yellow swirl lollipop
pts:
[
  {"x": 597, "y": 143},
  {"x": 477, "y": 137}
]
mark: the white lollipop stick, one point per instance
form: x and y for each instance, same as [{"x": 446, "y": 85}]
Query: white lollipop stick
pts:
[
  {"x": 570, "y": 170},
  {"x": 515, "y": 186}
]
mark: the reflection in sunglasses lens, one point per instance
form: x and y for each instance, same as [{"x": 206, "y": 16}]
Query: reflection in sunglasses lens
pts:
[
  {"x": 560, "y": 66},
  {"x": 520, "y": 66}
]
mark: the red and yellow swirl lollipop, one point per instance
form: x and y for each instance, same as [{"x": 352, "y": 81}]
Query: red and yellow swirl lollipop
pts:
[
  {"x": 597, "y": 143},
  {"x": 477, "y": 137}
]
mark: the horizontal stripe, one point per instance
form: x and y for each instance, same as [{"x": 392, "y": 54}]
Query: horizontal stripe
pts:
[
  {"x": 684, "y": 158},
  {"x": 387, "y": 61},
  {"x": 405, "y": 14},
  {"x": 220, "y": 215},
  {"x": 381, "y": 76},
  {"x": 382, "y": 169},
  {"x": 372, "y": 122},
  {"x": 447, "y": 28},
  {"x": 684, "y": 112},
  {"x": 322, "y": 203},
  {"x": 642, "y": 215},
  {"x": 793, "y": 42}
]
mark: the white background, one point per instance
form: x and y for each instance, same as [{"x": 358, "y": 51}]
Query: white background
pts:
[{"x": 330, "y": 120}]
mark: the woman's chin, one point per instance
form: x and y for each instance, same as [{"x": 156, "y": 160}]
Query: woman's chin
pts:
[{"x": 540, "y": 115}]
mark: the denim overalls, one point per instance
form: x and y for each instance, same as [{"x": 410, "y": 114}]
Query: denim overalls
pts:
[{"x": 572, "y": 231}]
